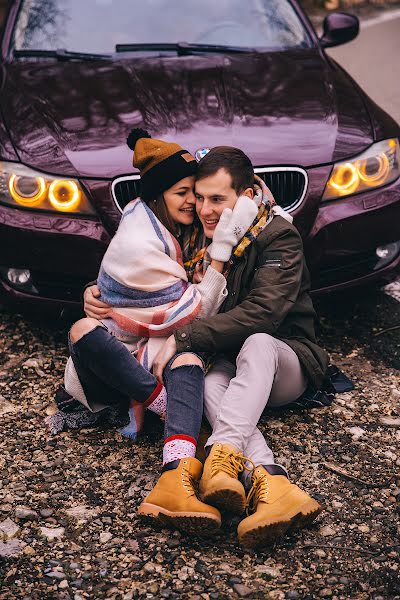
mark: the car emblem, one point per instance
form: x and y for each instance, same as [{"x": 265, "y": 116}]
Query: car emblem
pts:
[{"x": 200, "y": 153}]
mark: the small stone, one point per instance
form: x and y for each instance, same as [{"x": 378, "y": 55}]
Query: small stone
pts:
[
  {"x": 390, "y": 421},
  {"x": 149, "y": 568},
  {"x": 327, "y": 531},
  {"x": 63, "y": 585},
  {"x": 242, "y": 590},
  {"x": 29, "y": 551},
  {"x": 292, "y": 595},
  {"x": 46, "y": 512},
  {"x": 356, "y": 432},
  {"x": 267, "y": 572},
  {"x": 6, "y": 406},
  {"x": 326, "y": 593},
  {"x": 26, "y": 513},
  {"x": 8, "y": 529},
  {"x": 395, "y": 394},
  {"x": 363, "y": 528},
  {"x": 104, "y": 537},
  {"x": 56, "y": 575},
  {"x": 321, "y": 553},
  {"x": 81, "y": 513},
  {"x": 52, "y": 534},
  {"x": 11, "y": 548}
]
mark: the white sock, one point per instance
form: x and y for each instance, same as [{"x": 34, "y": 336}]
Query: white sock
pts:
[
  {"x": 177, "y": 447},
  {"x": 159, "y": 404}
]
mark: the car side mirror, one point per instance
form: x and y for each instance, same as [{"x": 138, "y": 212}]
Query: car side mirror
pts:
[{"x": 339, "y": 28}]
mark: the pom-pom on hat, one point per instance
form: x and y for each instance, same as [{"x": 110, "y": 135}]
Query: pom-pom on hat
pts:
[{"x": 161, "y": 164}]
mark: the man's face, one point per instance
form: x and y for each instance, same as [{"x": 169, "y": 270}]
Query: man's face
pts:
[{"x": 213, "y": 194}]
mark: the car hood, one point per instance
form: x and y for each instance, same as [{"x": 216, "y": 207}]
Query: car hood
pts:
[{"x": 285, "y": 108}]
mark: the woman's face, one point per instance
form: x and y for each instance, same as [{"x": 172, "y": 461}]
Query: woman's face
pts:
[{"x": 180, "y": 201}]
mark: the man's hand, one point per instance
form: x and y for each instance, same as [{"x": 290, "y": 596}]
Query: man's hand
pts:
[
  {"x": 163, "y": 356},
  {"x": 93, "y": 307},
  {"x": 231, "y": 227}
]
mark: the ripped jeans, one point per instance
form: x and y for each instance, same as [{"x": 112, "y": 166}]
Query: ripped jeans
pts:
[{"x": 185, "y": 391}]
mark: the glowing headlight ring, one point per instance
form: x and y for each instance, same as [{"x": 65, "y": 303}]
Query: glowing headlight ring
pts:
[
  {"x": 72, "y": 188},
  {"x": 344, "y": 187},
  {"x": 27, "y": 200},
  {"x": 380, "y": 176}
]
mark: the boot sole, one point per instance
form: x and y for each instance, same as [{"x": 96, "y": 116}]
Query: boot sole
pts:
[
  {"x": 200, "y": 523},
  {"x": 268, "y": 534},
  {"x": 227, "y": 500}
]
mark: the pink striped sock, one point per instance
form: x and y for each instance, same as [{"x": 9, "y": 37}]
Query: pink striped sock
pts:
[{"x": 177, "y": 447}]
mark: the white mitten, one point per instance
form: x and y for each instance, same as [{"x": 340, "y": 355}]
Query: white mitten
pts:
[{"x": 231, "y": 228}]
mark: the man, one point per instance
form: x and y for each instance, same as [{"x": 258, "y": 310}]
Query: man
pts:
[{"x": 266, "y": 324}]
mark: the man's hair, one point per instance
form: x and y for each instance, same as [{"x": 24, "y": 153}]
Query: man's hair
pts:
[{"x": 234, "y": 161}]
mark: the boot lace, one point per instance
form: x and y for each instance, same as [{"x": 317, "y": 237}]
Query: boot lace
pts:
[
  {"x": 259, "y": 492},
  {"x": 231, "y": 463},
  {"x": 190, "y": 484}
]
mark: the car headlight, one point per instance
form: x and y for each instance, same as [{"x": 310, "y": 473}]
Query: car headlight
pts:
[
  {"x": 377, "y": 166},
  {"x": 23, "y": 187}
]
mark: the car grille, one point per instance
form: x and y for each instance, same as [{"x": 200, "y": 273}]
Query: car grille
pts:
[{"x": 287, "y": 184}]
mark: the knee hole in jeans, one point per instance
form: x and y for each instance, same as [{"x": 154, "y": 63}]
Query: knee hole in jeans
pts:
[
  {"x": 81, "y": 328},
  {"x": 187, "y": 359}
]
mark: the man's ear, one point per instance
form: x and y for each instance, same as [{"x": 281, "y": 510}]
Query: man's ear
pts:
[{"x": 248, "y": 192}]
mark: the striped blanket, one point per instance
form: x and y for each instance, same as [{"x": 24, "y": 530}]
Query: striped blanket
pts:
[{"x": 143, "y": 278}]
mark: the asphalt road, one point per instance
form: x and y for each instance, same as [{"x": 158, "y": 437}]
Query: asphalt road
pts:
[{"x": 372, "y": 60}]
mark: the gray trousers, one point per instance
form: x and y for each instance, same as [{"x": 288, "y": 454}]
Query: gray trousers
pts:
[{"x": 267, "y": 372}]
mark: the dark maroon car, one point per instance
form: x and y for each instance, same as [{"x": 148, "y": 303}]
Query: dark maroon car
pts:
[{"x": 77, "y": 76}]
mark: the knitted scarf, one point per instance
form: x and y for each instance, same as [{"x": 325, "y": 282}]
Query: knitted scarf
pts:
[{"x": 195, "y": 244}]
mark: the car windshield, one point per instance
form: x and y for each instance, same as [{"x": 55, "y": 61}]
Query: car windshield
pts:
[{"x": 97, "y": 26}]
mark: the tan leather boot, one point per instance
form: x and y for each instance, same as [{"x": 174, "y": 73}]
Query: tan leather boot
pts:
[
  {"x": 219, "y": 485},
  {"x": 278, "y": 505},
  {"x": 174, "y": 502}
]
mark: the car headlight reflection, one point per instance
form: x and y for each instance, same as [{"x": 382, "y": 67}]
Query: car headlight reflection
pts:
[
  {"x": 378, "y": 166},
  {"x": 23, "y": 187}
]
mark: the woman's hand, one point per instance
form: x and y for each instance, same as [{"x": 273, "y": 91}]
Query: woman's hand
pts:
[
  {"x": 163, "y": 357},
  {"x": 231, "y": 228},
  {"x": 262, "y": 191},
  {"x": 93, "y": 307}
]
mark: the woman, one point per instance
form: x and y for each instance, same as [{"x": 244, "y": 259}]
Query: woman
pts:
[{"x": 143, "y": 280}]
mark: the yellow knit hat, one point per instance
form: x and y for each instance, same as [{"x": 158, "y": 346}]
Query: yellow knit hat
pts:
[{"x": 161, "y": 164}]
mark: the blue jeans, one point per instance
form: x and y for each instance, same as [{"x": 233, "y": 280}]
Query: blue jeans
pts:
[
  {"x": 108, "y": 372},
  {"x": 185, "y": 391}
]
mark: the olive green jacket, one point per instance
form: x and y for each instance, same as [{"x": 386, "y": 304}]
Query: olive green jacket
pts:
[{"x": 268, "y": 292}]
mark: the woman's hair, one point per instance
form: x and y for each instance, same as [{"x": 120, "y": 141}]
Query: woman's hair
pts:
[
  {"x": 233, "y": 161},
  {"x": 160, "y": 209}
]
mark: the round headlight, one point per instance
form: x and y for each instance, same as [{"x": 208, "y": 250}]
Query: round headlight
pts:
[
  {"x": 27, "y": 191},
  {"x": 64, "y": 194},
  {"x": 374, "y": 170},
  {"x": 344, "y": 179}
]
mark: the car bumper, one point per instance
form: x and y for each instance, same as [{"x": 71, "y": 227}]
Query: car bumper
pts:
[
  {"x": 342, "y": 243},
  {"x": 61, "y": 253}
]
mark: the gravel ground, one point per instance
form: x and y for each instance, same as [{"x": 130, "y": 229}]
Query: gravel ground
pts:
[{"x": 68, "y": 504}]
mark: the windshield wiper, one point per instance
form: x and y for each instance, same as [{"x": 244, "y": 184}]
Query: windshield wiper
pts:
[
  {"x": 182, "y": 48},
  {"x": 61, "y": 54}
]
